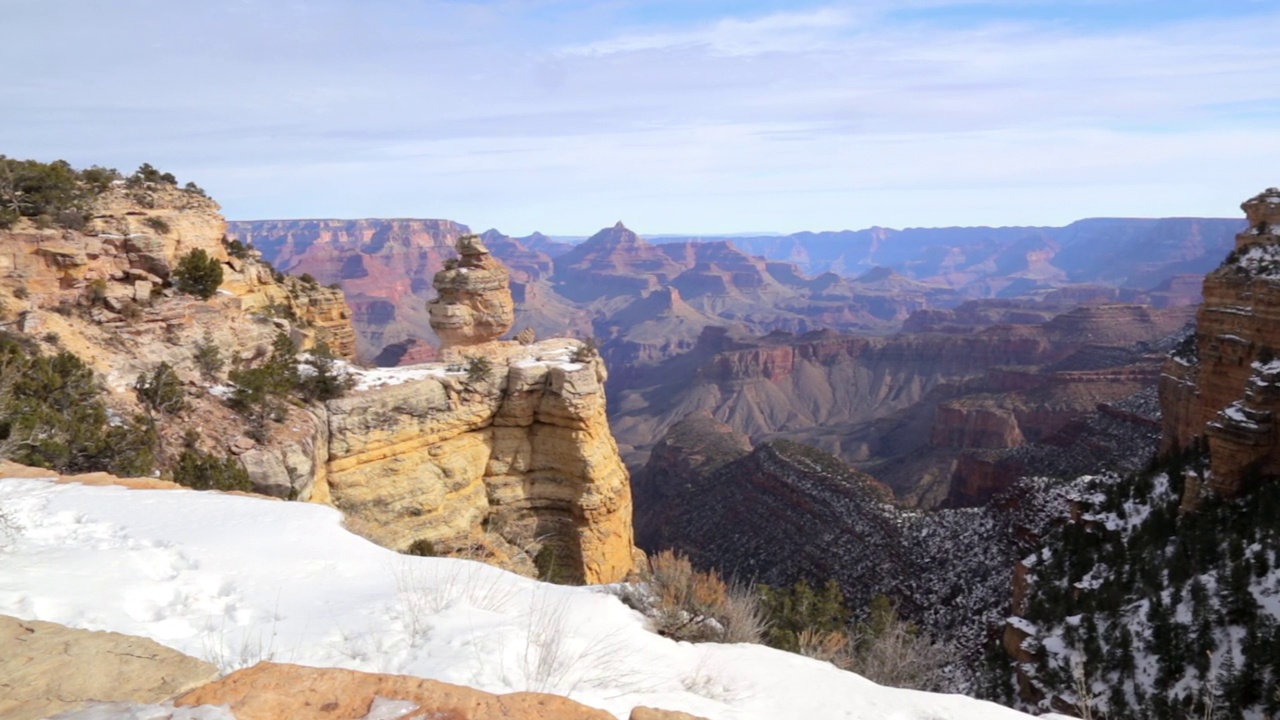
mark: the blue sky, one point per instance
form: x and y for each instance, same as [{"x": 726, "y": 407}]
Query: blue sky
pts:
[{"x": 699, "y": 116}]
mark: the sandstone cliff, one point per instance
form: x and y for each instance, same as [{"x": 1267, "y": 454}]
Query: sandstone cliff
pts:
[
  {"x": 499, "y": 465},
  {"x": 1221, "y": 384},
  {"x": 104, "y": 292}
]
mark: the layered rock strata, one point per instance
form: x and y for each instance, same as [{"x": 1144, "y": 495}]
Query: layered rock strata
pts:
[
  {"x": 474, "y": 304},
  {"x": 503, "y": 464},
  {"x": 1220, "y": 385}
]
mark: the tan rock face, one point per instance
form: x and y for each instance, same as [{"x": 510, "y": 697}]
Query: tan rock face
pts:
[
  {"x": 1221, "y": 389},
  {"x": 103, "y": 292},
  {"x": 504, "y": 465},
  {"x": 46, "y": 668},
  {"x": 474, "y": 304},
  {"x": 270, "y": 691}
]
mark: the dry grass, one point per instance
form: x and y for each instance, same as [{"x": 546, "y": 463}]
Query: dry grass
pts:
[{"x": 687, "y": 604}]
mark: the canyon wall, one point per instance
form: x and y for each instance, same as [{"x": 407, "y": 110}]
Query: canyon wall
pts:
[
  {"x": 1221, "y": 384},
  {"x": 496, "y": 467}
]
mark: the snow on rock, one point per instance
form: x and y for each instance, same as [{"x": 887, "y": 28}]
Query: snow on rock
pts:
[{"x": 236, "y": 580}]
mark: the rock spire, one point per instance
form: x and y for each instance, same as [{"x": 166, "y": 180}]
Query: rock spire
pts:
[{"x": 474, "y": 305}]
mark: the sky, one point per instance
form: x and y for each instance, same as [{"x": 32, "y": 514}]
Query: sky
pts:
[{"x": 673, "y": 116}]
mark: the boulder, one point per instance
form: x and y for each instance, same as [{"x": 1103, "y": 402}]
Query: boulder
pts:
[
  {"x": 46, "y": 668},
  {"x": 270, "y": 691}
]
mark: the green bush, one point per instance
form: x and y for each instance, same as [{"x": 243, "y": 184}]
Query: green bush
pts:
[
  {"x": 237, "y": 249},
  {"x": 323, "y": 377},
  {"x": 198, "y": 274},
  {"x": 422, "y": 547},
  {"x": 52, "y": 416},
  {"x": 793, "y": 611},
  {"x": 52, "y": 193},
  {"x": 259, "y": 391},
  {"x": 158, "y": 224},
  {"x": 208, "y": 357},
  {"x": 161, "y": 390},
  {"x": 148, "y": 174},
  {"x": 204, "y": 471},
  {"x": 586, "y": 352},
  {"x": 479, "y": 369}
]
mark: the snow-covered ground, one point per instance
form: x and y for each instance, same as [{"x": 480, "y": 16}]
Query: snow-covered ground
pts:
[{"x": 236, "y": 580}]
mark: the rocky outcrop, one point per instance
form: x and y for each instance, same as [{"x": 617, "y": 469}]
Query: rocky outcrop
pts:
[
  {"x": 503, "y": 462},
  {"x": 1220, "y": 384},
  {"x": 385, "y": 268},
  {"x": 272, "y": 691},
  {"x": 46, "y": 668},
  {"x": 105, "y": 293},
  {"x": 474, "y": 304}
]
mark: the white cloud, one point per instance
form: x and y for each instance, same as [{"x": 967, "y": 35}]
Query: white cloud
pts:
[
  {"x": 545, "y": 115},
  {"x": 780, "y": 32}
]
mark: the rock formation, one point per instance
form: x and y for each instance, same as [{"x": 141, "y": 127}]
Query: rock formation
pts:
[
  {"x": 474, "y": 305},
  {"x": 272, "y": 691},
  {"x": 385, "y": 269},
  {"x": 104, "y": 293},
  {"x": 1221, "y": 385},
  {"x": 906, "y": 407},
  {"x": 500, "y": 463},
  {"x": 46, "y": 668}
]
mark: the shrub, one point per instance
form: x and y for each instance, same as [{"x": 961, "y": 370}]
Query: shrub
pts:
[
  {"x": 799, "y": 608},
  {"x": 208, "y": 357},
  {"x": 99, "y": 179},
  {"x": 198, "y": 274},
  {"x": 335, "y": 286},
  {"x": 158, "y": 224},
  {"x": 422, "y": 547},
  {"x": 553, "y": 567},
  {"x": 686, "y": 604},
  {"x": 52, "y": 338},
  {"x": 307, "y": 278},
  {"x": 888, "y": 651},
  {"x": 194, "y": 189},
  {"x": 259, "y": 391},
  {"x": 479, "y": 369},
  {"x": 52, "y": 416},
  {"x": 21, "y": 292},
  {"x": 97, "y": 291},
  {"x": 322, "y": 377},
  {"x": 148, "y": 174},
  {"x": 237, "y": 249},
  {"x": 586, "y": 352},
  {"x": 200, "y": 470},
  {"x": 161, "y": 390}
]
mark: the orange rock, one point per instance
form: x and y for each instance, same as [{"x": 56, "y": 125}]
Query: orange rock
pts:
[{"x": 271, "y": 691}]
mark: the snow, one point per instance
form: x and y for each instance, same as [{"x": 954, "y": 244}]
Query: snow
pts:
[
  {"x": 369, "y": 378},
  {"x": 238, "y": 579}
]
